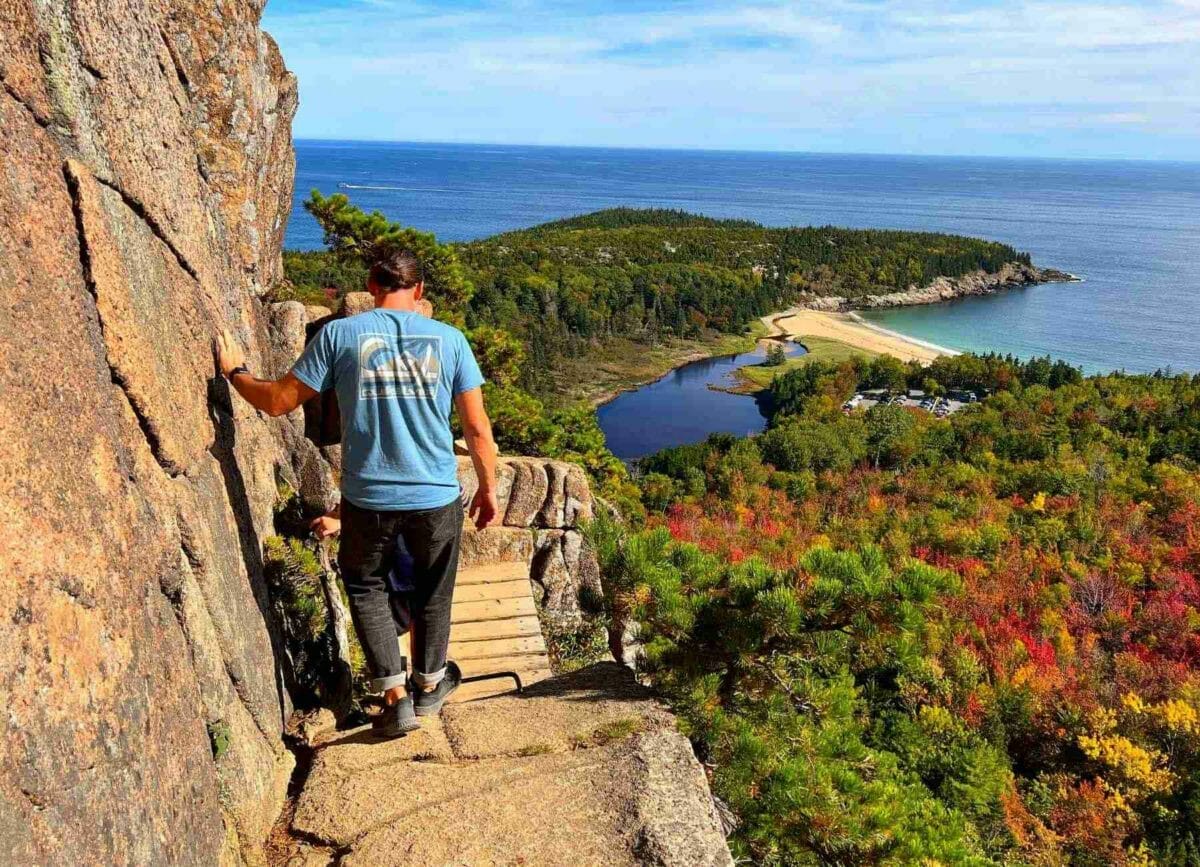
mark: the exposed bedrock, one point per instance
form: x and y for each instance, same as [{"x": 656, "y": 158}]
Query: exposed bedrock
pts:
[
  {"x": 1011, "y": 275},
  {"x": 145, "y": 182}
]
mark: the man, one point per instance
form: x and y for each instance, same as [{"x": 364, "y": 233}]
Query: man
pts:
[{"x": 396, "y": 374}]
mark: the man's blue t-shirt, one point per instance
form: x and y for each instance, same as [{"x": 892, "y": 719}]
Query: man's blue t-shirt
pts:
[{"x": 395, "y": 374}]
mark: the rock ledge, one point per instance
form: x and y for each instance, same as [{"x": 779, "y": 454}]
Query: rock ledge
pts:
[
  {"x": 1010, "y": 276},
  {"x": 584, "y": 768}
]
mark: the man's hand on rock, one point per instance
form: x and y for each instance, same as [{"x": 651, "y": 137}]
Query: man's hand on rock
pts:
[
  {"x": 483, "y": 508},
  {"x": 326, "y": 526},
  {"x": 229, "y": 353}
]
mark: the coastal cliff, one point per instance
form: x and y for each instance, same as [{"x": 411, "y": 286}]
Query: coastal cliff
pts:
[{"x": 1011, "y": 275}]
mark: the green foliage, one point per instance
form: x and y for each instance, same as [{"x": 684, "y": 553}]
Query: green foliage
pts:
[
  {"x": 617, "y": 218},
  {"x": 220, "y": 737},
  {"x": 758, "y": 377},
  {"x": 316, "y": 277},
  {"x": 1042, "y": 705},
  {"x": 763, "y": 666},
  {"x": 886, "y": 372},
  {"x": 354, "y": 236},
  {"x": 802, "y": 442},
  {"x": 499, "y": 354},
  {"x": 657, "y": 275},
  {"x": 293, "y": 571},
  {"x": 889, "y": 435},
  {"x": 573, "y": 646},
  {"x": 789, "y": 392},
  {"x": 776, "y": 355},
  {"x": 659, "y": 491}
]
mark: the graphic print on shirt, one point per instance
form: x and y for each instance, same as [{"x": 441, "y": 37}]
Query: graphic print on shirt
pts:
[{"x": 388, "y": 371}]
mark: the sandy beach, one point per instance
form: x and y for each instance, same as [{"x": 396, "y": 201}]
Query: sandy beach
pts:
[{"x": 850, "y": 329}]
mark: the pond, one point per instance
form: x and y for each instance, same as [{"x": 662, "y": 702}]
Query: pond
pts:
[{"x": 680, "y": 408}]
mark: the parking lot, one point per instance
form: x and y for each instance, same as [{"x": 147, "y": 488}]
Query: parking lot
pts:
[{"x": 940, "y": 406}]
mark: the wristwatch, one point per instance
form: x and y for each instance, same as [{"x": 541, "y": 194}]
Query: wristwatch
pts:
[{"x": 241, "y": 368}]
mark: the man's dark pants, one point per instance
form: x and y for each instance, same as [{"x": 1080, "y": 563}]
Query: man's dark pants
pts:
[{"x": 367, "y": 549}]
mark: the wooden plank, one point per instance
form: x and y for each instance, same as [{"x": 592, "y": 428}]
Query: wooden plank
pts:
[
  {"x": 516, "y": 627},
  {"x": 495, "y": 628},
  {"x": 498, "y": 590},
  {"x": 529, "y": 662},
  {"x": 493, "y": 572},
  {"x": 499, "y": 686},
  {"x": 491, "y": 609},
  {"x": 497, "y": 647}
]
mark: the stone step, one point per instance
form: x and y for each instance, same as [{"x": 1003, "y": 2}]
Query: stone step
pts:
[{"x": 585, "y": 769}]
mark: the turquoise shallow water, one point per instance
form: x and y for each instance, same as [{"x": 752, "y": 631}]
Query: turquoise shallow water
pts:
[{"x": 1131, "y": 229}]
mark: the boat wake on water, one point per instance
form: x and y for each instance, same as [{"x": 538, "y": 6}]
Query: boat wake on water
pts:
[{"x": 345, "y": 186}]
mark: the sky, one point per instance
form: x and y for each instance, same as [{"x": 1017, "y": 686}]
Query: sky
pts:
[{"x": 1049, "y": 79}]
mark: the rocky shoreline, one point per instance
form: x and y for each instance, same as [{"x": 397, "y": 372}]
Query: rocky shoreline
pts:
[{"x": 1010, "y": 276}]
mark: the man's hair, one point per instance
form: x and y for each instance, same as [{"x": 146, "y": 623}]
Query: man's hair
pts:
[{"x": 400, "y": 270}]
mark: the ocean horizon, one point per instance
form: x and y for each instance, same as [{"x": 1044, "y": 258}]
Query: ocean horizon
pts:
[
  {"x": 752, "y": 151},
  {"x": 1129, "y": 228}
]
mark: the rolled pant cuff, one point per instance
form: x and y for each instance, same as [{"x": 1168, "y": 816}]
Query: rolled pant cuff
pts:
[
  {"x": 429, "y": 681},
  {"x": 383, "y": 684}
]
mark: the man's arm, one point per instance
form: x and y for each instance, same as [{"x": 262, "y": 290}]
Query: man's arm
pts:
[
  {"x": 477, "y": 431},
  {"x": 274, "y": 397}
]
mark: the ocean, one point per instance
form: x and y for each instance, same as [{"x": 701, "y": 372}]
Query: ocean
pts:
[{"x": 1131, "y": 230}]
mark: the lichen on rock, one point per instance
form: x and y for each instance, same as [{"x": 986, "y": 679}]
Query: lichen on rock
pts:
[{"x": 145, "y": 183}]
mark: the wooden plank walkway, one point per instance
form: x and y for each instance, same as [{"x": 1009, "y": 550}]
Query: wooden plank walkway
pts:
[{"x": 494, "y": 627}]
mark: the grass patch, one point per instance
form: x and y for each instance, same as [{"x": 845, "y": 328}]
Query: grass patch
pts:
[
  {"x": 573, "y": 646},
  {"x": 535, "y": 750},
  {"x": 219, "y": 737},
  {"x": 619, "y": 363},
  {"x": 756, "y": 377},
  {"x": 612, "y": 731}
]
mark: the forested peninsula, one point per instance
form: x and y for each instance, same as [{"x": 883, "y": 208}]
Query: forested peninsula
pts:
[{"x": 619, "y": 296}]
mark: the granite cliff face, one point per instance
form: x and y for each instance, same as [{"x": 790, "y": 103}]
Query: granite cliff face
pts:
[{"x": 145, "y": 181}]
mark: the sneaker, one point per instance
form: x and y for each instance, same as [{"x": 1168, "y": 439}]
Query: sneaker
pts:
[
  {"x": 397, "y": 720},
  {"x": 429, "y": 703}
]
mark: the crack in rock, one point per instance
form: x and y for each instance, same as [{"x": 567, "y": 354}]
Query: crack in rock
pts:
[
  {"x": 118, "y": 379},
  {"x": 41, "y": 121},
  {"x": 146, "y": 217},
  {"x": 179, "y": 73}
]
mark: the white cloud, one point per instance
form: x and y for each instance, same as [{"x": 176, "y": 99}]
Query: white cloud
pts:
[
  {"x": 752, "y": 75},
  {"x": 1123, "y": 117}
]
